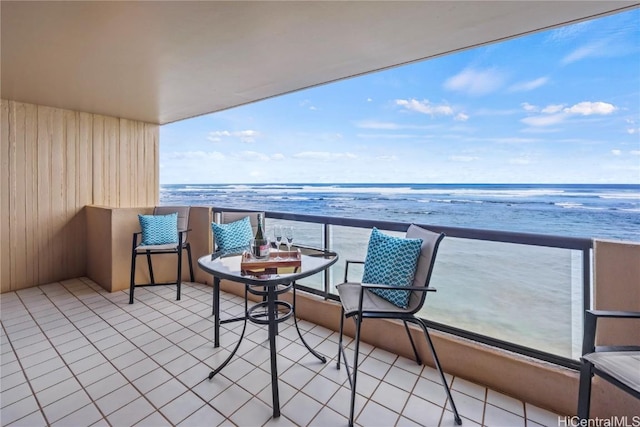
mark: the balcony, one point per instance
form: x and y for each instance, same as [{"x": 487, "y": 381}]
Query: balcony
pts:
[{"x": 74, "y": 354}]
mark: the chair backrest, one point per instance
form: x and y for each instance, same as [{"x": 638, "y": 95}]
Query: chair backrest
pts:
[
  {"x": 183, "y": 216},
  {"x": 429, "y": 249},
  {"x": 229, "y": 216}
]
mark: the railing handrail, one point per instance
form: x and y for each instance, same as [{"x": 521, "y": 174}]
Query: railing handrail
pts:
[{"x": 564, "y": 242}]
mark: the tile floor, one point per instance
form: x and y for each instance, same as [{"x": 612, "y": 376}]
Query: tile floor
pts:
[{"x": 75, "y": 355}]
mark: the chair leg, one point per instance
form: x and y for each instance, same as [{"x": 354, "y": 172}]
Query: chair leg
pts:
[
  {"x": 358, "y": 320},
  {"x": 132, "y": 284},
  {"x": 340, "y": 337},
  {"x": 190, "y": 263},
  {"x": 179, "y": 280},
  {"x": 153, "y": 282},
  {"x": 584, "y": 392},
  {"x": 413, "y": 345},
  {"x": 439, "y": 368}
]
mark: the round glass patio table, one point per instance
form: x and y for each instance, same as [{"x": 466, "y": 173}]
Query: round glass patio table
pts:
[{"x": 269, "y": 283}]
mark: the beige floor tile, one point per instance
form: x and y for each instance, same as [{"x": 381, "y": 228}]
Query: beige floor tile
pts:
[
  {"x": 58, "y": 391},
  {"x": 18, "y": 410},
  {"x": 301, "y": 409},
  {"x": 253, "y": 413},
  {"x": 505, "y": 402},
  {"x": 321, "y": 389},
  {"x": 156, "y": 419},
  {"x": 203, "y": 416},
  {"x": 182, "y": 407},
  {"x": 374, "y": 414},
  {"x": 35, "y": 419},
  {"x": 165, "y": 392},
  {"x": 390, "y": 397},
  {"x": 84, "y": 416},
  {"x": 422, "y": 412},
  {"x": 125, "y": 354},
  {"x": 231, "y": 400},
  {"x": 65, "y": 406},
  {"x": 497, "y": 417},
  {"x": 328, "y": 417},
  {"x": 131, "y": 414}
]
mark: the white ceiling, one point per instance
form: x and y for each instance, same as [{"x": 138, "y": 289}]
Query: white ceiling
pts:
[{"x": 169, "y": 60}]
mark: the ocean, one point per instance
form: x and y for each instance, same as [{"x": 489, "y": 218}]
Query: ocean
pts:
[
  {"x": 603, "y": 211},
  {"x": 523, "y": 294}
]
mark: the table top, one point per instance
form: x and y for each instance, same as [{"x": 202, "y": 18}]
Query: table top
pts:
[{"x": 227, "y": 266}]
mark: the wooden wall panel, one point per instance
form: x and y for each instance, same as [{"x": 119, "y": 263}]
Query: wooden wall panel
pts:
[
  {"x": 5, "y": 210},
  {"x": 53, "y": 163}
]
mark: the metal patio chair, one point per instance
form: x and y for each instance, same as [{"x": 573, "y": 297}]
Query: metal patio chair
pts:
[
  {"x": 359, "y": 302},
  {"x": 148, "y": 251},
  {"x": 619, "y": 365}
]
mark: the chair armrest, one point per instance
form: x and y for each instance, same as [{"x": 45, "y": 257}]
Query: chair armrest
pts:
[
  {"x": 615, "y": 314},
  {"x": 399, "y": 288},
  {"x": 346, "y": 267},
  {"x": 134, "y": 245},
  {"x": 590, "y": 324}
]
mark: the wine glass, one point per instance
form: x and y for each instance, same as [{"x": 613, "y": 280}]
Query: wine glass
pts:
[
  {"x": 277, "y": 235},
  {"x": 288, "y": 234}
]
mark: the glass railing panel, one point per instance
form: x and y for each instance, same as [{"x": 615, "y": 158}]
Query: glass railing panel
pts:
[
  {"x": 523, "y": 294},
  {"x": 526, "y": 295}
]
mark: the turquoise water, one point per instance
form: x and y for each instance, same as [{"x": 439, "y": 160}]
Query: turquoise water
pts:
[{"x": 518, "y": 293}]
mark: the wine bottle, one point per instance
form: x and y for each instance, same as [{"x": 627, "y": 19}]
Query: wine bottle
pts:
[
  {"x": 261, "y": 248},
  {"x": 259, "y": 234}
]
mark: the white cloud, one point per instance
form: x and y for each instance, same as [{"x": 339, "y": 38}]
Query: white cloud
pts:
[
  {"x": 307, "y": 104},
  {"x": 323, "y": 155},
  {"x": 553, "y": 108},
  {"x": 197, "y": 155},
  {"x": 548, "y": 120},
  {"x": 251, "y": 156},
  {"x": 372, "y": 124},
  {"x": 635, "y": 152},
  {"x": 528, "y": 107},
  {"x": 475, "y": 82},
  {"x": 557, "y": 113},
  {"x": 462, "y": 158},
  {"x": 589, "y": 108},
  {"x": 244, "y": 135},
  {"x": 391, "y": 158},
  {"x": 461, "y": 117},
  {"x": 425, "y": 107},
  {"x": 391, "y": 135},
  {"x": 569, "y": 32},
  {"x": 616, "y": 152},
  {"x": 589, "y": 50},
  {"x": 513, "y": 140},
  {"x": 529, "y": 85},
  {"x": 369, "y": 99}
]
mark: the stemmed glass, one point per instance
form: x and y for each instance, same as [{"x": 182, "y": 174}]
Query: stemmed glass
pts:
[
  {"x": 288, "y": 234},
  {"x": 277, "y": 234}
]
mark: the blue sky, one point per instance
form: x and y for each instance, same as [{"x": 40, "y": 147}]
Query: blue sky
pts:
[{"x": 560, "y": 106}]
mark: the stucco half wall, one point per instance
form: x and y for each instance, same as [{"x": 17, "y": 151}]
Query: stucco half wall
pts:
[{"x": 109, "y": 244}]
